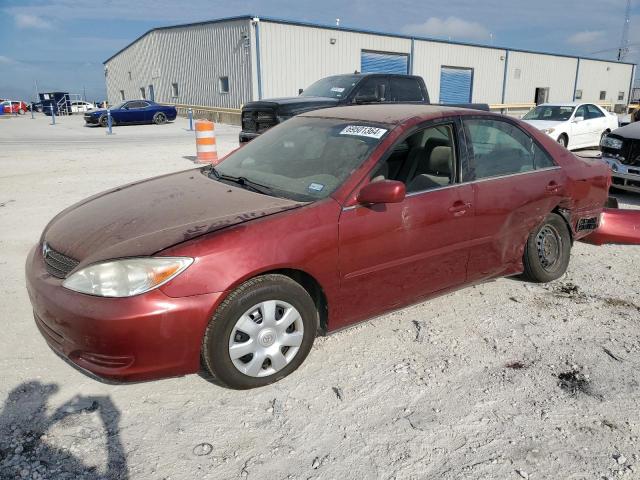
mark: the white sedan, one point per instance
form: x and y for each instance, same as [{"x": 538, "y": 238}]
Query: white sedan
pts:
[
  {"x": 573, "y": 125},
  {"x": 78, "y": 106}
]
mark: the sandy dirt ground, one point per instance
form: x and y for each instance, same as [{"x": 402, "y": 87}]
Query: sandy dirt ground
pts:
[{"x": 506, "y": 380}]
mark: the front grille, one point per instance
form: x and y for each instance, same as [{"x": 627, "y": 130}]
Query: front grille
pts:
[
  {"x": 258, "y": 121},
  {"x": 57, "y": 264}
]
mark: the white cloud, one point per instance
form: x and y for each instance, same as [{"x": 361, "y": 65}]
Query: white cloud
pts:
[
  {"x": 25, "y": 20},
  {"x": 451, "y": 27},
  {"x": 586, "y": 38}
]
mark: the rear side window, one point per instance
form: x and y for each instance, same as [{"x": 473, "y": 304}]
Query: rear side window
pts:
[
  {"x": 406, "y": 90},
  {"x": 594, "y": 112},
  {"x": 500, "y": 148}
]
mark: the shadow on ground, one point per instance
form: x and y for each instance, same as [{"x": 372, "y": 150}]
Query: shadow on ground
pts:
[{"x": 25, "y": 450}]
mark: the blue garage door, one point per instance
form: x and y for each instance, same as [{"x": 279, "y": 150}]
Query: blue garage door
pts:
[
  {"x": 455, "y": 85},
  {"x": 376, "y": 62}
]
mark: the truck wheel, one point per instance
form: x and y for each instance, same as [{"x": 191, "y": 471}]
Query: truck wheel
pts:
[
  {"x": 547, "y": 251},
  {"x": 261, "y": 333}
]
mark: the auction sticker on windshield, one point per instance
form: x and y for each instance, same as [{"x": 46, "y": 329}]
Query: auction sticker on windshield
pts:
[
  {"x": 362, "y": 131},
  {"x": 337, "y": 89}
]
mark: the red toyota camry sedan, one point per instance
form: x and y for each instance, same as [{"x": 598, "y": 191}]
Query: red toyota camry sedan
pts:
[{"x": 330, "y": 218}]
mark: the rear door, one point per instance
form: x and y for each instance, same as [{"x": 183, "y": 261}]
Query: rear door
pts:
[
  {"x": 580, "y": 128},
  {"x": 515, "y": 183},
  {"x": 393, "y": 254},
  {"x": 598, "y": 124}
]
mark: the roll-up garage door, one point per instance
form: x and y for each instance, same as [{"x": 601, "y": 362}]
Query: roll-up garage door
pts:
[
  {"x": 455, "y": 85},
  {"x": 378, "y": 62}
]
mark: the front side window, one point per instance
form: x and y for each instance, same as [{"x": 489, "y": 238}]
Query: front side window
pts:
[
  {"x": 593, "y": 112},
  {"x": 423, "y": 161},
  {"x": 581, "y": 112},
  {"x": 501, "y": 148},
  {"x": 406, "y": 90},
  {"x": 304, "y": 158},
  {"x": 371, "y": 87}
]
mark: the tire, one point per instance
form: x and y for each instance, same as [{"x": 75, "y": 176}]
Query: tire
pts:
[
  {"x": 242, "y": 322},
  {"x": 159, "y": 118},
  {"x": 103, "y": 121},
  {"x": 547, "y": 251},
  {"x": 563, "y": 140},
  {"x": 21, "y": 111}
]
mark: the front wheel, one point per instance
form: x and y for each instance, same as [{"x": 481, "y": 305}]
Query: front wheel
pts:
[
  {"x": 159, "y": 118},
  {"x": 261, "y": 333},
  {"x": 547, "y": 251},
  {"x": 103, "y": 121}
]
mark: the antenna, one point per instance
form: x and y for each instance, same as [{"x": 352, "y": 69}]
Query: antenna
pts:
[{"x": 624, "y": 41}]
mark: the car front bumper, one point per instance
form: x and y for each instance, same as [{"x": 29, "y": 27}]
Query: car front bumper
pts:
[
  {"x": 624, "y": 177},
  {"x": 144, "y": 337},
  {"x": 90, "y": 119}
]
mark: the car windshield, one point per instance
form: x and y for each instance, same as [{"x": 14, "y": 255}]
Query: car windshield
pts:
[
  {"x": 338, "y": 86},
  {"x": 304, "y": 158},
  {"x": 554, "y": 113}
]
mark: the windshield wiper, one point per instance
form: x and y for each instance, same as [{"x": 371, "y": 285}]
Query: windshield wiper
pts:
[{"x": 242, "y": 181}]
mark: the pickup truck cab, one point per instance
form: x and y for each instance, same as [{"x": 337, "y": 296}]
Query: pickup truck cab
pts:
[{"x": 333, "y": 91}]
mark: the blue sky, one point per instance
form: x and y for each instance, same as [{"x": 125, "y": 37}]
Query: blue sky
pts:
[{"x": 61, "y": 44}]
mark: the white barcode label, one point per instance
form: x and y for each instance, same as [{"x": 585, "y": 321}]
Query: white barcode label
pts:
[{"x": 363, "y": 131}]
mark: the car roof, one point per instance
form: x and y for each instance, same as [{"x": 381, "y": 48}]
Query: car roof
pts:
[{"x": 392, "y": 114}]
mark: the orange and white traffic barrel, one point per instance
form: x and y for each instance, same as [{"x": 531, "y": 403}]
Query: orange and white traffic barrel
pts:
[{"x": 206, "y": 142}]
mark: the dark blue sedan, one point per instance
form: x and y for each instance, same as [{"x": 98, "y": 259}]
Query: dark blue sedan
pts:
[{"x": 133, "y": 111}]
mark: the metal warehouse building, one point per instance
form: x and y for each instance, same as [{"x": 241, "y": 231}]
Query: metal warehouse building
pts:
[{"x": 227, "y": 62}]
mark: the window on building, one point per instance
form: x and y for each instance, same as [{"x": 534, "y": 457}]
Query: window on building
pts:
[
  {"x": 620, "y": 95},
  {"x": 129, "y": 74},
  {"x": 500, "y": 148},
  {"x": 142, "y": 93},
  {"x": 223, "y": 84},
  {"x": 603, "y": 95},
  {"x": 517, "y": 73},
  {"x": 174, "y": 89},
  {"x": 578, "y": 94},
  {"x": 122, "y": 95}
]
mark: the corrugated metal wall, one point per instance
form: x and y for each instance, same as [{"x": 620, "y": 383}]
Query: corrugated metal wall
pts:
[
  {"x": 294, "y": 56},
  {"x": 194, "y": 57},
  {"x": 528, "y": 71},
  {"x": 487, "y": 65},
  {"x": 612, "y": 78}
]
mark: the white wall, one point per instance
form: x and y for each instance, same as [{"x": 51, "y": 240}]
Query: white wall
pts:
[
  {"x": 294, "y": 57},
  {"x": 487, "y": 65},
  {"x": 539, "y": 71},
  {"x": 595, "y": 76}
]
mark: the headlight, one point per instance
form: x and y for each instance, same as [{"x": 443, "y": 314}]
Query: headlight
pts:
[
  {"x": 126, "y": 277},
  {"x": 548, "y": 131},
  {"x": 611, "y": 142}
]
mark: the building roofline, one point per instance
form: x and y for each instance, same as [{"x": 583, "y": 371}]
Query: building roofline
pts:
[{"x": 361, "y": 30}]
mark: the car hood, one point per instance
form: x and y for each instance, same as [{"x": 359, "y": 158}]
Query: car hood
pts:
[
  {"x": 542, "y": 124},
  {"x": 145, "y": 217},
  {"x": 292, "y": 105},
  {"x": 631, "y": 131}
]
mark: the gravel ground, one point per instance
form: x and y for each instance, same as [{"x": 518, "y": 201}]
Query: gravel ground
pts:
[{"x": 506, "y": 380}]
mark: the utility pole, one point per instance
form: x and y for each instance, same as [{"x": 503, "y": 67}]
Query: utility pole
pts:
[{"x": 624, "y": 41}]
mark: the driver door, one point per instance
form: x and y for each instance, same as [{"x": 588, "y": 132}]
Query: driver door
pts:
[{"x": 393, "y": 254}]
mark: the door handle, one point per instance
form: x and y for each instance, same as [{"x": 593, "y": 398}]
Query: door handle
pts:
[{"x": 459, "y": 208}]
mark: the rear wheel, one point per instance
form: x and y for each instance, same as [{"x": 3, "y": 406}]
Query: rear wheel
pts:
[
  {"x": 261, "y": 333},
  {"x": 21, "y": 111},
  {"x": 563, "y": 140},
  {"x": 547, "y": 251},
  {"x": 159, "y": 118}
]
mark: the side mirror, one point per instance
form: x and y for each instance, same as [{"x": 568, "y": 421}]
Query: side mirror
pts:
[
  {"x": 385, "y": 191},
  {"x": 300, "y": 90},
  {"x": 578, "y": 119}
]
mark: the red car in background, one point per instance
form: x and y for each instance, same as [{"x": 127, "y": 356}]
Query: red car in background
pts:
[
  {"x": 325, "y": 220},
  {"x": 13, "y": 106}
]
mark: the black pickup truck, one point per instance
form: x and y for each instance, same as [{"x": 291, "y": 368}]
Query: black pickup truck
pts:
[{"x": 358, "y": 88}]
